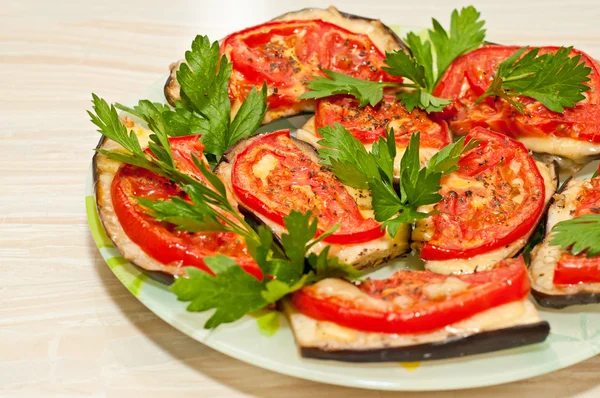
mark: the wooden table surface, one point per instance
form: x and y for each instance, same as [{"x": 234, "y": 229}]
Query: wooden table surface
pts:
[{"x": 68, "y": 328}]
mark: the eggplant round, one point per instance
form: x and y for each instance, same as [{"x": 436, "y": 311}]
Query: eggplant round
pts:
[{"x": 382, "y": 36}]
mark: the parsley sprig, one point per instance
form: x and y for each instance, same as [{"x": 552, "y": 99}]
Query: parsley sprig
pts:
[
  {"x": 359, "y": 168},
  {"x": 578, "y": 235},
  {"x": 231, "y": 290},
  {"x": 554, "y": 79},
  {"x": 205, "y": 106},
  {"x": 466, "y": 33}
]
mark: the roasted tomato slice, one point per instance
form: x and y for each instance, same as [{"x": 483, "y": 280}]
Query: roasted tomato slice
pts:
[
  {"x": 273, "y": 176},
  {"x": 413, "y": 301},
  {"x": 160, "y": 240},
  {"x": 470, "y": 75},
  {"x": 496, "y": 197},
  {"x": 286, "y": 54},
  {"x": 368, "y": 123},
  {"x": 580, "y": 269}
]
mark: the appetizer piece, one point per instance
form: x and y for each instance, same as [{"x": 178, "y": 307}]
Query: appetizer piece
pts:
[
  {"x": 572, "y": 134},
  {"x": 142, "y": 239},
  {"x": 272, "y": 174},
  {"x": 416, "y": 316},
  {"x": 559, "y": 278},
  {"x": 288, "y": 51},
  {"x": 489, "y": 206},
  {"x": 369, "y": 123}
]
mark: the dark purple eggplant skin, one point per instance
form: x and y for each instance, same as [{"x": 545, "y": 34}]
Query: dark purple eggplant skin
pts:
[
  {"x": 558, "y": 302},
  {"x": 455, "y": 347}
]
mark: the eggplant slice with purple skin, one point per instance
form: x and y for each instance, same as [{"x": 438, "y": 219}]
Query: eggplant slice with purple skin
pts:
[
  {"x": 362, "y": 255},
  {"x": 544, "y": 257},
  {"x": 511, "y": 325},
  {"x": 380, "y": 34}
]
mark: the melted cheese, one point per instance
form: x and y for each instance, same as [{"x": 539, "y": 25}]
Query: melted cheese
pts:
[
  {"x": 264, "y": 166},
  {"x": 424, "y": 230},
  {"x": 567, "y": 147},
  {"x": 449, "y": 287}
]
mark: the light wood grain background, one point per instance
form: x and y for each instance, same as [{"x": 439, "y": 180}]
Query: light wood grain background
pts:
[{"x": 68, "y": 328}]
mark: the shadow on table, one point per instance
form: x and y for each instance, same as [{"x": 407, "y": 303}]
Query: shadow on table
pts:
[{"x": 254, "y": 381}]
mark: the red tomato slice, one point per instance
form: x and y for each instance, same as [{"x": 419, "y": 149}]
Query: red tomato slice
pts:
[
  {"x": 369, "y": 123},
  {"x": 412, "y": 302},
  {"x": 294, "y": 181},
  {"x": 470, "y": 75},
  {"x": 580, "y": 269},
  {"x": 496, "y": 197},
  {"x": 160, "y": 240},
  {"x": 286, "y": 54}
]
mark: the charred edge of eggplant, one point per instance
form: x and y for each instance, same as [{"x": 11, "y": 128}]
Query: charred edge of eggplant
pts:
[
  {"x": 560, "y": 301},
  {"x": 453, "y": 347},
  {"x": 389, "y": 30}
]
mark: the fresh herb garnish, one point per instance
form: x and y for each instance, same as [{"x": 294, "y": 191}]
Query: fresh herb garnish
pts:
[
  {"x": 578, "y": 235},
  {"x": 359, "y": 168},
  {"x": 231, "y": 291},
  {"x": 466, "y": 33},
  {"x": 554, "y": 79},
  {"x": 205, "y": 107}
]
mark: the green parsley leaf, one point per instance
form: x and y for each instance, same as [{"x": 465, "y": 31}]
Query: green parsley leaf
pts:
[
  {"x": 423, "y": 55},
  {"x": 466, "y": 34},
  {"x": 367, "y": 92},
  {"x": 325, "y": 266},
  {"x": 446, "y": 160},
  {"x": 268, "y": 323},
  {"x": 556, "y": 80},
  {"x": 421, "y": 99},
  {"x": 418, "y": 186},
  {"x": 347, "y": 156},
  {"x": 249, "y": 117},
  {"x": 107, "y": 120},
  {"x": 231, "y": 291},
  {"x": 192, "y": 217},
  {"x": 578, "y": 235},
  {"x": 402, "y": 64},
  {"x": 408, "y": 216}
]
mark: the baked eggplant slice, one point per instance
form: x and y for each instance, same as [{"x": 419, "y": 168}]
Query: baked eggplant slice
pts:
[
  {"x": 142, "y": 240},
  {"x": 573, "y": 134},
  {"x": 374, "y": 321},
  {"x": 273, "y": 53},
  {"x": 551, "y": 267},
  {"x": 489, "y": 207},
  {"x": 369, "y": 123},
  {"x": 272, "y": 174}
]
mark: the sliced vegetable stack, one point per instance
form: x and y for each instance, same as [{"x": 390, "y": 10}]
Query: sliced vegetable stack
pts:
[
  {"x": 285, "y": 53},
  {"x": 567, "y": 125},
  {"x": 490, "y": 206},
  {"x": 271, "y": 174},
  {"x": 416, "y": 315},
  {"x": 565, "y": 267}
]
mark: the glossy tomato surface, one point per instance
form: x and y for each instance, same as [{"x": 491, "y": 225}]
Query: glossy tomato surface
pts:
[
  {"x": 369, "y": 123},
  {"x": 469, "y": 76},
  {"x": 161, "y": 240},
  {"x": 274, "y": 176},
  {"x": 286, "y": 54},
  {"x": 580, "y": 269},
  {"x": 496, "y": 197},
  {"x": 416, "y": 301}
]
